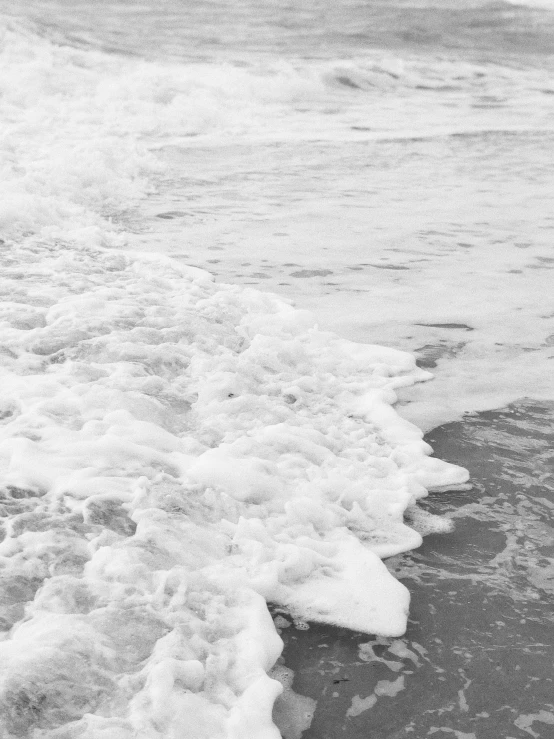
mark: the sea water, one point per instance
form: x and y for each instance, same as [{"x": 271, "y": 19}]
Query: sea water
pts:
[{"x": 178, "y": 451}]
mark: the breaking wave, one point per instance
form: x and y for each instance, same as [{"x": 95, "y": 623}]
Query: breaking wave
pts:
[{"x": 174, "y": 453}]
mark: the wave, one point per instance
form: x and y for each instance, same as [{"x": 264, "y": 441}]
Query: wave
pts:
[
  {"x": 181, "y": 31},
  {"x": 80, "y": 126},
  {"x": 174, "y": 453},
  {"x": 546, "y": 4}
]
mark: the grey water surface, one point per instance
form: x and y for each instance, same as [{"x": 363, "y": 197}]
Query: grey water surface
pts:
[{"x": 203, "y": 29}]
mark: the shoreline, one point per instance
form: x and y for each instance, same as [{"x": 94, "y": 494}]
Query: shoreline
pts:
[
  {"x": 177, "y": 453},
  {"x": 475, "y": 661}
]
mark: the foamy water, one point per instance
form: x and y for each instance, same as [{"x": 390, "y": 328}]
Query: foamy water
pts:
[{"x": 178, "y": 451}]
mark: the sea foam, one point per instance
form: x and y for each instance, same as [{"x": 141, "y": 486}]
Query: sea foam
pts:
[
  {"x": 174, "y": 453},
  {"x": 80, "y": 127}
]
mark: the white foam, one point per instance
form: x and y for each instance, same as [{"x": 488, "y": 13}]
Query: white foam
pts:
[
  {"x": 173, "y": 452},
  {"x": 477, "y": 308},
  {"x": 389, "y": 688},
  {"x": 526, "y": 721},
  {"x": 79, "y": 125},
  {"x": 160, "y": 487},
  {"x": 292, "y": 713}
]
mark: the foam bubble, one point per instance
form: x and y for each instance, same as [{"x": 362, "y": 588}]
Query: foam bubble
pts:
[
  {"x": 292, "y": 713},
  {"x": 158, "y": 486},
  {"x": 119, "y": 526}
]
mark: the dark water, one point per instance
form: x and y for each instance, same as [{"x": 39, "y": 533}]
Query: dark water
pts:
[{"x": 476, "y": 661}]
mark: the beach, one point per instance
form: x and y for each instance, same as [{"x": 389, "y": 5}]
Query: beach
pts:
[
  {"x": 276, "y": 343},
  {"x": 476, "y": 658}
]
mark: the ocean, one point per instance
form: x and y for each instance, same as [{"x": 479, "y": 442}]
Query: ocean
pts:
[{"x": 250, "y": 253}]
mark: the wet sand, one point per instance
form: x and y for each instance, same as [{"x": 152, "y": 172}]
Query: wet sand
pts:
[{"x": 476, "y": 660}]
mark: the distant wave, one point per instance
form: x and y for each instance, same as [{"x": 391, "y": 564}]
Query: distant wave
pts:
[
  {"x": 438, "y": 133},
  {"x": 98, "y": 116},
  {"x": 547, "y": 4}
]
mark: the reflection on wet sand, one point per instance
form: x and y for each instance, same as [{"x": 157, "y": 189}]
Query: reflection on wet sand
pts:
[{"x": 476, "y": 661}]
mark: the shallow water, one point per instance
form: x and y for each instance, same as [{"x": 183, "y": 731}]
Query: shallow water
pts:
[
  {"x": 476, "y": 660},
  {"x": 438, "y": 241},
  {"x": 390, "y": 189}
]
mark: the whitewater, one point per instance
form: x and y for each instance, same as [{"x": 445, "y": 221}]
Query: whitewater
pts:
[{"x": 180, "y": 448}]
